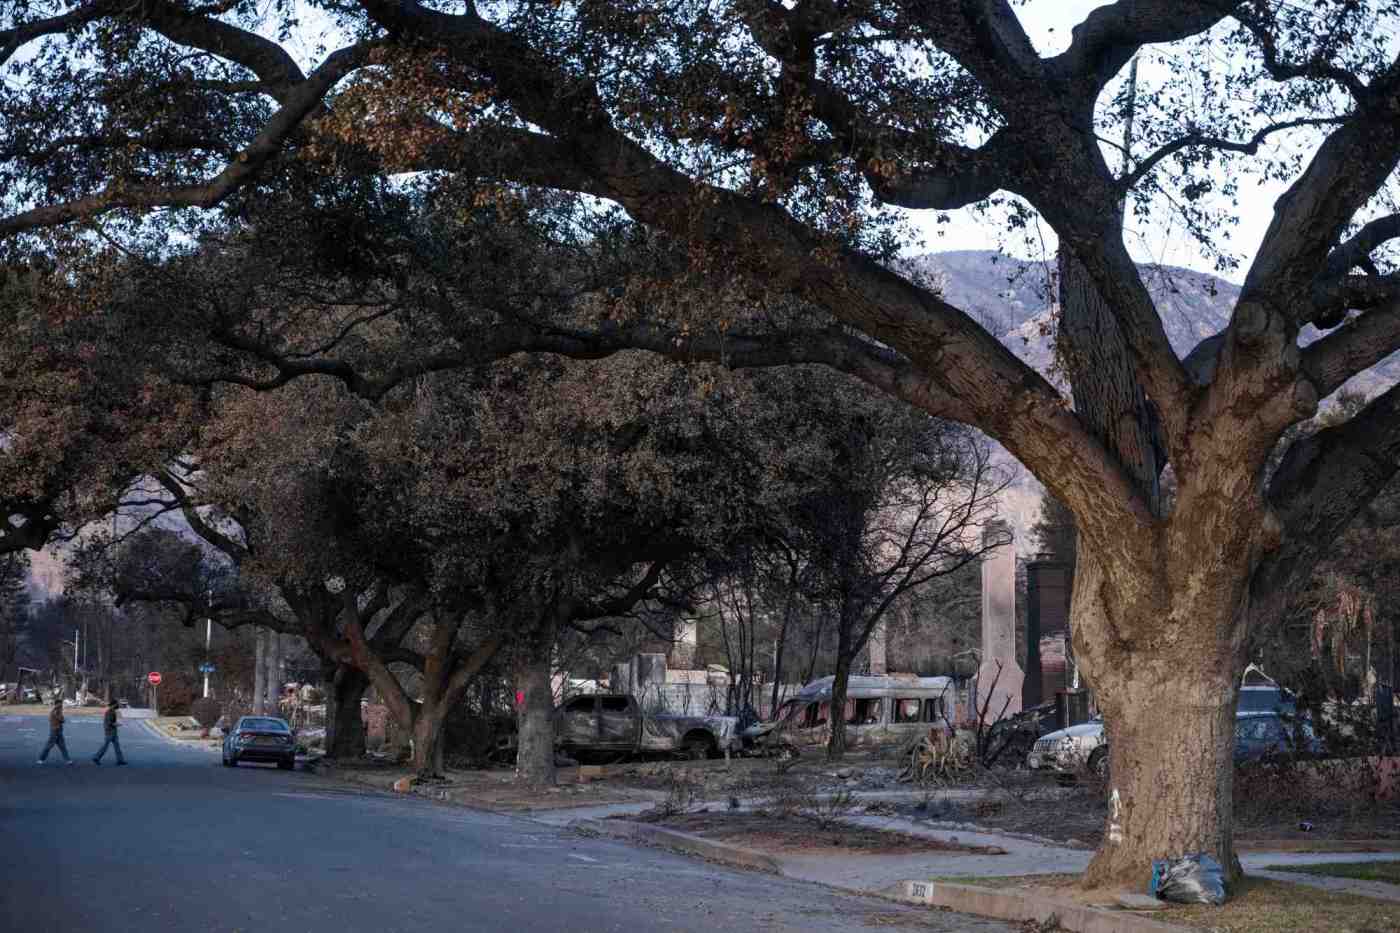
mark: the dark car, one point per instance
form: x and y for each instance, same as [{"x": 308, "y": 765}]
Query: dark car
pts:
[
  {"x": 260, "y": 738},
  {"x": 1260, "y": 736}
]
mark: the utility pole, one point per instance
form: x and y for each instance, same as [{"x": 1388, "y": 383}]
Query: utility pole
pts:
[{"x": 208, "y": 628}]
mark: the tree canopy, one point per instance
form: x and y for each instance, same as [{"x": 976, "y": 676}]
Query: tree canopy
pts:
[{"x": 756, "y": 157}]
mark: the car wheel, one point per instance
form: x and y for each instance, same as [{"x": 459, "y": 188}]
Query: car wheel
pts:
[
  {"x": 1098, "y": 763},
  {"x": 287, "y": 765},
  {"x": 697, "y": 749}
]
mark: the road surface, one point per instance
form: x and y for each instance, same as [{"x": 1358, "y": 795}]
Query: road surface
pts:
[{"x": 175, "y": 843}]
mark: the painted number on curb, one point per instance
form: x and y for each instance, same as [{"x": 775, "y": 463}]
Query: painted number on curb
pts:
[{"x": 918, "y": 890}]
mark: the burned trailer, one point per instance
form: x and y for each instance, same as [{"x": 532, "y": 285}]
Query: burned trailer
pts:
[{"x": 888, "y": 710}]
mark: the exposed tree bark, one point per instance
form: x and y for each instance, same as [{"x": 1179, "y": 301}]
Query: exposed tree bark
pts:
[
  {"x": 272, "y": 677},
  {"x": 534, "y": 761},
  {"x": 1169, "y": 710},
  {"x": 836, "y": 746},
  {"x": 259, "y": 671},
  {"x": 445, "y": 679},
  {"x": 345, "y": 725}
]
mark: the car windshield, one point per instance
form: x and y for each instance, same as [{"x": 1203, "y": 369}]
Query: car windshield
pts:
[
  {"x": 264, "y": 725},
  {"x": 1264, "y": 700}
]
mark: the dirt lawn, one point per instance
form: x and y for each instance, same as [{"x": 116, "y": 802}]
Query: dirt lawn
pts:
[
  {"x": 1023, "y": 805},
  {"x": 1256, "y": 905},
  {"x": 788, "y": 834}
]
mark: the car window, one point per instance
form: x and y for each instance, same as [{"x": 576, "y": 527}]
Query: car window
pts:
[
  {"x": 907, "y": 710},
  {"x": 933, "y": 709},
  {"x": 614, "y": 704},
  {"x": 1254, "y": 729},
  {"x": 266, "y": 725},
  {"x": 1261, "y": 700},
  {"x": 579, "y": 705},
  {"x": 862, "y": 712}
]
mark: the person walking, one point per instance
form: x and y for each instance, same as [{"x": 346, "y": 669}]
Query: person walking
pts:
[
  {"x": 109, "y": 732},
  {"x": 56, "y": 731}
]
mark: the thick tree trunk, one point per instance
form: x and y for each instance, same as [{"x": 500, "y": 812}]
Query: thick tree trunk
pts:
[
  {"x": 836, "y": 745},
  {"x": 1168, "y": 703},
  {"x": 427, "y": 740},
  {"x": 272, "y": 677},
  {"x": 534, "y": 759},
  {"x": 259, "y": 672},
  {"x": 1170, "y": 773},
  {"x": 345, "y": 726}
]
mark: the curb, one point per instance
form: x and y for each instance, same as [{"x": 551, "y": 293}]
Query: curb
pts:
[
  {"x": 684, "y": 842},
  {"x": 1009, "y": 905},
  {"x": 150, "y": 726}
]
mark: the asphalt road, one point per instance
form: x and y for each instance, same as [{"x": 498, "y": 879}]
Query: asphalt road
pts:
[{"x": 174, "y": 842}]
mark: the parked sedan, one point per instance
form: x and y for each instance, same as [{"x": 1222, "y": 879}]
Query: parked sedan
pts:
[{"x": 260, "y": 738}]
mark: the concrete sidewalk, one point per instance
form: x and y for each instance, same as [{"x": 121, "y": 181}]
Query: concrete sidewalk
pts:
[
  {"x": 1377, "y": 889},
  {"x": 878, "y": 873}
]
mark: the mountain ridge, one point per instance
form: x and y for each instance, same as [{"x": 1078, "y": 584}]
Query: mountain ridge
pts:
[{"x": 1011, "y": 298}]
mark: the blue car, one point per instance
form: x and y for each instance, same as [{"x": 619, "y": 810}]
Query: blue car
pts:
[{"x": 260, "y": 738}]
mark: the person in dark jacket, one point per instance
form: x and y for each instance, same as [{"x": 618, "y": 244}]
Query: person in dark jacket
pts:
[
  {"x": 109, "y": 732},
  {"x": 56, "y": 732}
]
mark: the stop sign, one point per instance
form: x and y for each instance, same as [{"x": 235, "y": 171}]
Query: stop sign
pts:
[{"x": 153, "y": 677}]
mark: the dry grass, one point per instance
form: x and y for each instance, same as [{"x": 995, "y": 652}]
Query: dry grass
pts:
[
  {"x": 1260, "y": 905},
  {"x": 1256, "y": 905},
  {"x": 42, "y": 709},
  {"x": 775, "y": 833},
  {"x": 1389, "y": 872}
]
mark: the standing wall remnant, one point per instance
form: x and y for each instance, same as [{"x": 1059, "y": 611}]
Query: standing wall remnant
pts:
[
  {"x": 999, "y": 677},
  {"x": 1048, "y": 585}
]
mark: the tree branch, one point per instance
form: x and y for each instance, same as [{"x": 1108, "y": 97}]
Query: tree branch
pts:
[
  {"x": 235, "y": 551},
  {"x": 1346, "y": 171},
  {"x": 15, "y": 38},
  {"x": 1317, "y": 67},
  {"x": 299, "y": 101},
  {"x": 1248, "y": 146},
  {"x": 1353, "y": 348},
  {"x": 1112, "y": 34},
  {"x": 1323, "y": 482},
  {"x": 1357, "y": 250}
]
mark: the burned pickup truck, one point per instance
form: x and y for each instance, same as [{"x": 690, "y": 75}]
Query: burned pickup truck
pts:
[{"x": 615, "y": 725}]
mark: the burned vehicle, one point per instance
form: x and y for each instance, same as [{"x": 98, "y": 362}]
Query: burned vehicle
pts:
[
  {"x": 614, "y": 725},
  {"x": 888, "y": 710}
]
